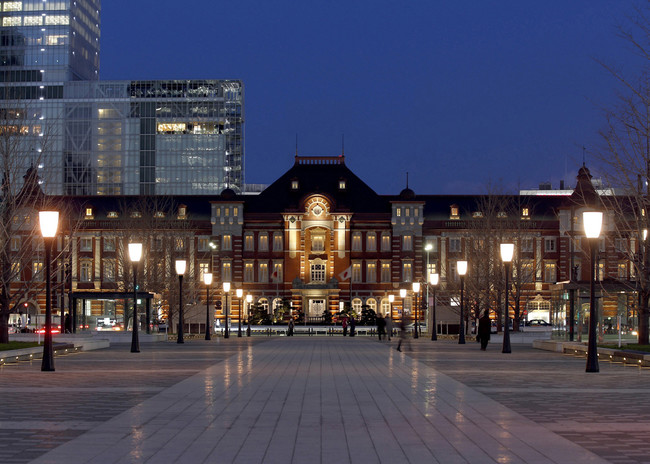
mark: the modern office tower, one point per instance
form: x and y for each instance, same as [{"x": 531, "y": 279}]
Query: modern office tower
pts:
[
  {"x": 150, "y": 137},
  {"x": 91, "y": 137}
]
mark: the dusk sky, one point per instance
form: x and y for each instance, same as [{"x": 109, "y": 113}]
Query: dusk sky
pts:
[{"x": 459, "y": 94}]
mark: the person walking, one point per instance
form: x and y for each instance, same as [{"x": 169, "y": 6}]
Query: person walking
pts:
[
  {"x": 353, "y": 325},
  {"x": 290, "y": 329},
  {"x": 484, "y": 329},
  {"x": 344, "y": 324},
  {"x": 389, "y": 325},
  {"x": 403, "y": 335},
  {"x": 381, "y": 326}
]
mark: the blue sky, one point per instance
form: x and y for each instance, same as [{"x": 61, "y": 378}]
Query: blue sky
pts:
[{"x": 462, "y": 95}]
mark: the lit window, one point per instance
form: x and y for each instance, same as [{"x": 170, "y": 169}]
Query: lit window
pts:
[
  {"x": 179, "y": 244},
  {"x": 398, "y": 211},
  {"x": 12, "y": 6},
  {"x": 407, "y": 243},
  {"x": 226, "y": 272},
  {"x": 112, "y": 215},
  {"x": 8, "y": 21},
  {"x": 89, "y": 212},
  {"x": 454, "y": 212},
  {"x": 371, "y": 242},
  {"x": 385, "y": 242},
  {"x": 527, "y": 244},
  {"x": 182, "y": 212},
  {"x": 525, "y": 212},
  {"x": 109, "y": 244},
  {"x": 356, "y": 242},
  {"x": 249, "y": 272},
  {"x": 57, "y": 20},
  {"x": 226, "y": 242},
  {"x": 357, "y": 305},
  {"x": 204, "y": 244},
  {"x": 249, "y": 243},
  {"x": 263, "y": 273},
  {"x": 276, "y": 276},
  {"x": 37, "y": 270},
  {"x": 277, "y": 242},
  {"x": 385, "y": 272},
  {"x": 371, "y": 272},
  {"x": 549, "y": 244},
  {"x": 550, "y": 272},
  {"x": 356, "y": 272},
  {"x": 159, "y": 214},
  {"x": 317, "y": 272},
  {"x": 341, "y": 184},
  {"x": 294, "y": 184},
  {"x": 86, "y": 271},
  {"x": 622, "y": 270},
  {"x": 407, "y": 272},
  {"x": 264, "y": 242},
  {"x": 204, "y": 267},
  {"x": 318, "y": 243},
  {"x": 136, "y": 215},
  {"x": 108, "y": 270},
  {"x": 32, "y": 20}
]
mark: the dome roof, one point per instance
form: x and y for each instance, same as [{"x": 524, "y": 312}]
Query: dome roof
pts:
[
  {"x": 228, "y": 194},
  {"x": 407, "y": 194}
]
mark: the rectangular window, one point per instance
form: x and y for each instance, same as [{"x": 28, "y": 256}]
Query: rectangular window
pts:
[
  {"x": 622, "y": 270},
  {"x": 453, "y": 271},
  {"x": 15, "y": 271},
  {"x": 356, "y": 272},
  {"x": 620, "y": 244},
  {"x": 109, "y": 244},
  {"x": 602, "y": 245},
  {"x": 264, "y": 242},
  {"x": 601, "y": 271},
  {"x": 157, "y": 244},
  {"x": 15, "y": 243},
  {"x": 407, "y": 243},
  {"x": 249, "y": 242},
  {"x": 371, "y": 242},
  {"x": 527, "y": 244},
  {"x": 318, "y": 243},
  {"x": 407, "y": 272},
  {"x": 203, "y": 244},
  {"x": 317, "y": 273},
  {"x": 85, "y": 244},
  {"x": 550, "y": 272},
  {"x": 356, "y": 242},
  {"x": 277, "y": 242},
  {"x": 385, "y": 272},
  {"x": 549, "y": 245},
  {"x": 108, "y": 270},
  {"x": 276, "y": 276},
  {"x": 37, "y": 270},
  {"x": 371, "y": 272},
  {"x": 249, "y": 272},
  {"x": 385, "y": 242},
  {"x": 264, "y": 273},
  {"x": 86, "y": 271},
  {"x": 226, "y": 272},
  {"x": 179, "y": 244},
  {"x": 226, "y": 242},
  {"x": 455, "y": 244}
]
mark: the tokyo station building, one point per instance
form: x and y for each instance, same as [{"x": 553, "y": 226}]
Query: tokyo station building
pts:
[{"x": 319, "y": 239}]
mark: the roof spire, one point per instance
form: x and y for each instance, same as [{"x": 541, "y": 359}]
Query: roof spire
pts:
[
  {"x": 342, "y": 144},
  {"x": 407, "y": 179}
]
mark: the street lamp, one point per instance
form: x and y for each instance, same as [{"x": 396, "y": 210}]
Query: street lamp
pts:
[
  {"x": 416, "y": 292},
  {"x": 180, "y": 271},
  {"x": 226, "y": 290},
  {"x": 207, "y": 279},
  {"x": 507, "y": 251},
  {"x": 249, "y": 300},
  {"x": 593, "y": 222},
  {"x": 402, "y": 294},
  {"x": 135, "y": 254},
  {"x": 49, "y": 221},
  {"x": 462, "y": 270},
  {"x": 391, "y": 299},
  {"x": 240, "y": 293},
  {"x": 433, "y": 280}
]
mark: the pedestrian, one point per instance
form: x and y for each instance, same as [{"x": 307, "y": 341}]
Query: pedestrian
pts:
[
  {"x": 389, "y": 326},
  {"x": 484, "y": 329},
  {"x": 403, "y": 335},
  {"x": 381, "y": 326},
  {"x": 67, "y": 323},
  {"x": 290, "y": 330},
  {"x": 353, "y": 325},
  {"x": 344, "y": 324}
]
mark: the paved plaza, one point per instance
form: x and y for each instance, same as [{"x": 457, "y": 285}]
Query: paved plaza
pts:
[{"x": 323, "y": 399}]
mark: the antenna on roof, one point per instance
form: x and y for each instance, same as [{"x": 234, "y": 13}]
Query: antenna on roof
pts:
[
  {"x": 296, "y": 144},
  {"x": 342, "y": 144},
  {"x": 407, "y": 179},
  {"x": 583, "y": 155}
]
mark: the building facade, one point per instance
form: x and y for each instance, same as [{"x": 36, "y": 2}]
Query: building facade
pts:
[{"x": 319, "y": 241}]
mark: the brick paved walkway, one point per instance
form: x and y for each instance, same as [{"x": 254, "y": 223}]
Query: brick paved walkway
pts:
[{"x": 322, "y": 399}]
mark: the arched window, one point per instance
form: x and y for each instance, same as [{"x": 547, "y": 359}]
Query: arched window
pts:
[
  {"x": 277, "y": 303},
  {"x": 385, "y": 307},
  {"x": 264, "y": 304},
  {"x": 356, "y": 306},
  {"x": 372, "y": 304}
]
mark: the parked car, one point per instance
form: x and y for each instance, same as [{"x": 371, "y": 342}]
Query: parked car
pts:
[{"x": 537, "y": 323}]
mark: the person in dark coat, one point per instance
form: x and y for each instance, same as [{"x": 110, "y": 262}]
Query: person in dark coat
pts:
[
  {"x": 344, "y": 324},
  {"x": 353, "y": 325},
  {"x": 291, "y": 325},
  {"x": 484, "y": 330},
  {"x": 381, "y": 326}
]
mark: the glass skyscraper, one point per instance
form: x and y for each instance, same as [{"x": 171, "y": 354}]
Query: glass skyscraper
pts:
[{"x": 92, "y": 137}]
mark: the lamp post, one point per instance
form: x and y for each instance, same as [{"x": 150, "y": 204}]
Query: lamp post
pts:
[
  {"x": 226, "y": 290},
  {"x": 507, "y": 251},
  {"x": 433, "y": 280},
  {"x": 462, "y": 270},
  {"x": 391, "y": 299},
  {"x": 593, "y": 222},
  {"x": 240, "y": 293},
  {"x": 207, "y": 279},
  {"x": 402, "y": 294},
  {"x": 249, "y": 300},
  {"x": 180, "y": 271},
  {"x": 135, "y": 254},
  {"x": 416, "y": 292},
  {"x": 49, "y": 222},
  {"x": 428, "y": 248}
]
